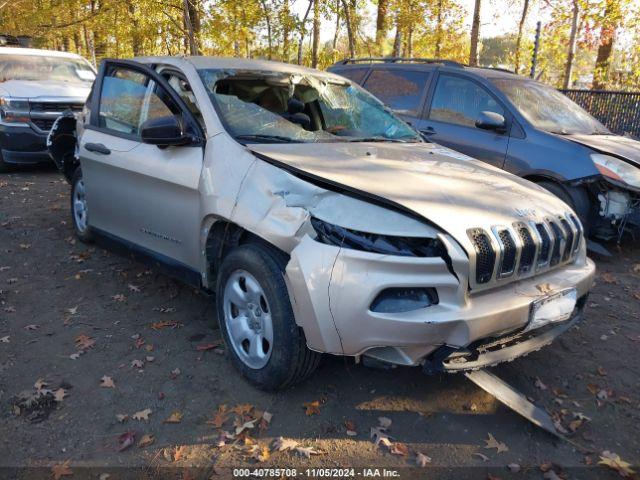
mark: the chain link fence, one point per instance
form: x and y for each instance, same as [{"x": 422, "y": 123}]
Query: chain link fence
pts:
[{"x": 618, "y": 111}]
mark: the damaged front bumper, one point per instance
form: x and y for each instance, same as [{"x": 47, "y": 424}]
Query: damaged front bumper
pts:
[{"x": 333, "y": 290}]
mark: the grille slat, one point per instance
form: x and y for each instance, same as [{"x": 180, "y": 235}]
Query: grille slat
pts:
[
  {"x": 528, "y": 249},
  {"x": 509, "y": 253},
  {"x": 568, "y": 249},
  {"x": 545, "y": 245},
  {"x": 557, "y": 246},
  {"x": 485, "y": 255},
  {"x": 55, "y": 106}
]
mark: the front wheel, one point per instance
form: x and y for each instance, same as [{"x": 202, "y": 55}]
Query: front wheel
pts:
[
  {"x": 79, "y": 210},
  {"x": 255, "y": 316},
  {"x": 576, "y": 197}
]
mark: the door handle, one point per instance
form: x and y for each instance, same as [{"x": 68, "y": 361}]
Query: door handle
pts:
[
  {"x": 98, "y": 148},
  {"x": 428, "y": 131}
]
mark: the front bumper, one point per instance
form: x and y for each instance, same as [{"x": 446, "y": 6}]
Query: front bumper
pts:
[
  {"x": 22, "y": 145},
  {"x": 332, "y": 289}
]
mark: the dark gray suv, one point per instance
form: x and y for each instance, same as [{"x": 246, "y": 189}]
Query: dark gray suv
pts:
[{"x": 519, "y": 125}]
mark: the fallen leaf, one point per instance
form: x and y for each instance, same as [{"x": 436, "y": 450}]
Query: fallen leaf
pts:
[
  {"x": 266, "y": 416},
  {"x": 72, "y": 310},
  {"x": 422, "y": 460},
  {"x": 379, "y": 436},
  {"x": 307, "y": 451},
  {"x": 119, "y": 297},
  {"x": 243, "y": 409},
  {"x": 179, "y": 452},
  {"x": 137, "y": 364},
  {"x": 481, "y": 456},
  {"x": 208, "y": 346},
  {"x": 174, "y": 373},
  {"x": 245, "y": 426},
  {"x": 384, "y": 422},
  {"x": 134, "y": 288},
  {"x": 126, "y": 440},
  {"x": 5, "y": 339},
  {"x": 351, "y": 428},
  {"x": 40, "y": 384},
  {"x": 219, "y": 417},
  {"x": 107, "y": 382},
  {"x": 32, "y": 327},
  {"x": 260, "y": 453},
  {"x": 602, "y": 372},
  {"x": 613, "y": 461},
  {"x": 608, "y": 277},
  {"x": 538, "y": 384},
  {"x": 491, "y": 442},
  {"x": 59, "y": 394},
  {"x": 281, "y": 444},
  {"x": 121, "y": 417},
  {"x": 574, "y": 425},
  {"x": 544, "y": 288},
  {"x": 165, "y": 324},
  {"x": 514, "y": 467},
  {"x": 399, "y": 449},
  {"x": 146, "y": 440},
  {"x": 84, "y": 342},
  {"x": 142, "y": 414},
  {"x": 312, "y": 408},
  {"x": 175, "y": 417},
  {"x": 61, "y": 470}
]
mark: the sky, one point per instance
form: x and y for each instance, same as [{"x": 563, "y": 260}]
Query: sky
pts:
[{"x": 496, "y": 17}]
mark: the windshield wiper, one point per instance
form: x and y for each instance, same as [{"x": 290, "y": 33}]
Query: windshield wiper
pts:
[
  {"x": 260, "y": 136},
  {"x": 380, "y": 139}
]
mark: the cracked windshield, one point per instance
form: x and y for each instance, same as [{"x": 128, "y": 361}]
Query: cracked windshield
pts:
[{"x": 267, "y": 108}]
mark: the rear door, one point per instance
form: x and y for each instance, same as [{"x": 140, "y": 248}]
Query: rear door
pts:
[
  {"x": 402, "y": 90},
  {"x": 455, "y": 105},
  {"x": 141, "y": 193}
]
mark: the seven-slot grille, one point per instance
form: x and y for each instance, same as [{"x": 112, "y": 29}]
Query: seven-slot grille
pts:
[{"x": 524, "y": 247}]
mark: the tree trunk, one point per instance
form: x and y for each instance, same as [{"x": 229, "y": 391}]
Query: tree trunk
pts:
[
  {"x": 572, "y": 45},
  {"x": 349, "y": 21},
  {"x": 523, "y": 18},
  {"x": 337, "y": 32},
  {"x": 136, "y": 40},
  {"x": 267, "y": 18},
  {"x": 438, "y": 29},
  {"x": 381, "y": 23},
  {"x": 316, "y": 34},
  {"x": 397, "y": 41},
  {"x": 190, "y": 27},
  {"x": 607, "y": 39},
  {"x": 303, "y": 30},
  {"x": 475, "y": 35},
  {"x": 285, "y": 31}
]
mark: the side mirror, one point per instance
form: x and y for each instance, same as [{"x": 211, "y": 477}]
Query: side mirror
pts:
[
  {"x": 163, "y": 132},
  {"x": 491, "y": 121}
]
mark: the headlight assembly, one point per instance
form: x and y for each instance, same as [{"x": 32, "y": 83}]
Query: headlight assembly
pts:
[
  {"x": 377, "y": 243},
  {"x": 617, "y": 170},
  {"x": 14, "y": 110}
]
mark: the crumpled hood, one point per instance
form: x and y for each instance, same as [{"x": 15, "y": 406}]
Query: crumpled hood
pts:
[
  {"x": 445, "y": 187},
  {"x": 625, "y": 147},
  {"x": 33, "y": 89}
]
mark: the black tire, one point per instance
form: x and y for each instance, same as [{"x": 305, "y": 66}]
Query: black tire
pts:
[
  {"x": 84, "y": 235},
  {"x": 576, "y": 197},
  {"x": 290, "y": 361}
]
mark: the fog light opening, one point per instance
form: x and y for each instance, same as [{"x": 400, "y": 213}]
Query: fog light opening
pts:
[{"x": 398, "y": 300}]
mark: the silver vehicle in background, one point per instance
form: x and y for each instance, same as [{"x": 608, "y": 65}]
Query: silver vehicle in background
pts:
[
  {"x": 322, "y": 222},
  {"x": 36, "y": 86}
]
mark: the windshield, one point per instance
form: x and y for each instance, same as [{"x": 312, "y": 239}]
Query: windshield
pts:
[
  {"x": 548, "y": 109},
  {"x": 37, "y": 67},
  {"x": 267, "y": 107}
]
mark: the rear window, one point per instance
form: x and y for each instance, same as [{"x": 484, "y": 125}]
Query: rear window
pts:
[
  {"x": 354, "y": 74},
  {"x": 400, "y": 90}
]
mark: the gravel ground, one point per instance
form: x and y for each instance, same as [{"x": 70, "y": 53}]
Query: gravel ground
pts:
[{"x": 87, "y": 336}]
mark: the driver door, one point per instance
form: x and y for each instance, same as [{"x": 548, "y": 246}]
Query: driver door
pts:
[{"x": 140, "y": 194}]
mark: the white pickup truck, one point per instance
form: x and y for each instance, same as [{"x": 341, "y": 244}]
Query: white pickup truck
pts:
[{"x": 36, "y": 86}]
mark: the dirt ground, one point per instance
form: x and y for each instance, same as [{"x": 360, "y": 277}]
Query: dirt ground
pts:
[{"x": 156, "y": 342}]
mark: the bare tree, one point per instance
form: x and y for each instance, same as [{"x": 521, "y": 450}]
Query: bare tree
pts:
[
  {"x": 303, "y": 30},
  {"x": 523, "y": 19},
  {"x": 475, "y": 34},
  {"x": 349, "y": 13},
  {"x": 316, "y": 34},
  {"x": 568, "y": 69},
  {"x": 190, "y": 25}
]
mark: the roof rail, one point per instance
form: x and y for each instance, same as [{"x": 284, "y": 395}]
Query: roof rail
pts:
[
  {"x": 499, "y": 69},
  {"x": 448, "y": 63}
]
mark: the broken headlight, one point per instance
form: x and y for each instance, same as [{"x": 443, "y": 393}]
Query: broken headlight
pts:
[
  {"x": 13, "y": 110},
  {"x": 617, "y": 170},
  {"x": 377, "y": 243}
]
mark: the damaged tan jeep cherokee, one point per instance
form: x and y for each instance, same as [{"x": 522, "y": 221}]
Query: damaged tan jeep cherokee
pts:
[{"x": 322, "y": 223}]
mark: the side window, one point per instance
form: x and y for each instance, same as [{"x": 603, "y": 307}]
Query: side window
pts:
[
  {"x": 182, "y": 88},
  {"x": 128, "y": 99},
  {"x": 460, "y": 101},
  {"x": 356, "y": 75},
  {"x": 400, "y": 90}
]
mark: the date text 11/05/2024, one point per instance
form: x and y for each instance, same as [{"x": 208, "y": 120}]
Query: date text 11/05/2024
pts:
[{"x": 315, "y": 473}]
